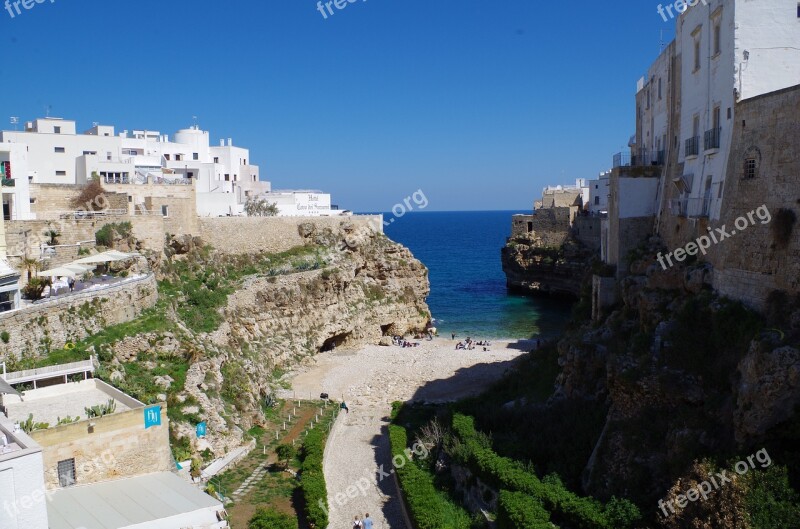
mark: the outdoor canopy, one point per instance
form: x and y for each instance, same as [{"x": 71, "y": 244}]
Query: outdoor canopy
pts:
[
  {"x": 105, "y": 257},
  {"x": 70, "y": 270}
]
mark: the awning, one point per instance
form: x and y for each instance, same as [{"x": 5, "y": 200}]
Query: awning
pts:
[
  {"x": 684, "y": 183},
  {"x": 105, "y": 257},
  {"x": 70, "y": 270},
  {"x": 5, "y": 388}
]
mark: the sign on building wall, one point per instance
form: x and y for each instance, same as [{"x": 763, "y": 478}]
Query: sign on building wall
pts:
[{"x": 152, "y": 416}]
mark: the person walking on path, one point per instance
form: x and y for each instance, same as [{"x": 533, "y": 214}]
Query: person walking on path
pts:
[
  {"x": 357, "y": 523},
  {"x": 367, "y": 522},
  {"x": 344, "y": 407}
]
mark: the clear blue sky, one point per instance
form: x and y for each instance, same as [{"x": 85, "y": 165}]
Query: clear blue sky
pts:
[{"x": 479, "y": 103}]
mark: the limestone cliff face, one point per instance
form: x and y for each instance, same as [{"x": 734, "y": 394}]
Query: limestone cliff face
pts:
[
  {"x": 685, "y": 374},
  {"x": 531, "y": 268},
  {"x": 367, "y": 290}
]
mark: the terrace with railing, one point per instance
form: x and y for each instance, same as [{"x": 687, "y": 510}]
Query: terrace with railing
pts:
[
  {"x": 712, "y": 138},
  {"x": 692, "y": 146},
  {"x": 639, "y": 158}
]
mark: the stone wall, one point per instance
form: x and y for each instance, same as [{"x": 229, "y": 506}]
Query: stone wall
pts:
[
  {"x": 51, "y": 324},
  {"x": 551, "y": 226},
  {"x": 586, "y": 229},
  {"x": 276, "y": 234},
  {"x": 752, "y": 263},
  {"x": 561, "y": 198},
  {"x": 51, "y": 199},
  {"x": 521, "y": 225},
  {"x": 117, "y": 446}
]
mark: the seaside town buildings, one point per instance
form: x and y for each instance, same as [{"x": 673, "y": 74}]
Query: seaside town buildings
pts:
[
  {"x": 50, "y": 152},
  {"x": 717, "y": 119}
]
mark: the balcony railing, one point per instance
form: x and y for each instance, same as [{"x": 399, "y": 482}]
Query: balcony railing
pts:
[
  {"x": 693, "y": 208},
  {"x": 693, "y": 146},
  {"x": 712, "y": 138},
  {"x": 639, "y": 158}
]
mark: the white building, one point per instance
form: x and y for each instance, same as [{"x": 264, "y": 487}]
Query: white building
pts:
[
  {"x": 300, "y": 203},
  {"x": 23, "y": 502},
  {"x": 14, "y": 174},
  {"x": 57, "y": 154},
  {"x": 596, "y": 193},
  {"x": 731, "y": 51}
]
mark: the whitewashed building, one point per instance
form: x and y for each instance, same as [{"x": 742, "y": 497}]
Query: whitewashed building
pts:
[
  {"x": 56, "y": 154},
  {"x": 731, "y": 51},
  {"x": 22, "y": 490}
]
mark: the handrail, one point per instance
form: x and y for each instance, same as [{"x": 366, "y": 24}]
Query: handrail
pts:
[{"x": 27, "y": 375}]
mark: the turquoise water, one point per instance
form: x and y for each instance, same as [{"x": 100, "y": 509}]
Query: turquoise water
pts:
[{"x": 468, "y": 287}]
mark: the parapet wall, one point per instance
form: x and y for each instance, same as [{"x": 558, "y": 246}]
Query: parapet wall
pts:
[
  {"x": 50, "y": 325},
  {"x": 276, "y": 234}
]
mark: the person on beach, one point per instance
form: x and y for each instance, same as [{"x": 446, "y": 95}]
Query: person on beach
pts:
[
  {"x": 357, "y": 523},
  {"x": 367, "y": 521},
  {"x": 453, "y": 335},
  {"x": 344, "y": 407}
]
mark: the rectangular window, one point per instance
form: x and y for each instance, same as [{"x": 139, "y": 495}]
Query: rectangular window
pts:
[
  {"x": 750, "y": 168},
  {"x": 798, "y": 9},
  {"x": 60, "y": 150},
  {"x": 717, "y": 38},
  {"x": 165, "y": 211},
  {"x": 659, "y": 89},
  {"x": 227, "y": 177},
  {"x": 717, "y": 119},
  {"x": 61, "y": 173},
  {"x": 216, "y": 159},
  {"x": 66, "y": 473},
  {"x": 195, "y": 156},
  {"x": 696, "y": 126},
  {"x": 89, "y": 153},
  {"x": 697, "y": 53},
  {"x": 57, "y": 130},
  {"x": 166, "y": 157},
  {"x": 178, "y": 157}
]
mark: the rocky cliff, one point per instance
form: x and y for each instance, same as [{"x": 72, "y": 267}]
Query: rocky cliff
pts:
[
  {"x": 532, "y": 268},
  {"x": 227, "y": 325}
]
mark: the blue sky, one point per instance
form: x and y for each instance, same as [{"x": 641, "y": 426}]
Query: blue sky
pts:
[{"x": 478, "y": 103}]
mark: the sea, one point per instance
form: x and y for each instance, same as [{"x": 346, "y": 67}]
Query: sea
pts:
[{"x": 468, "y": 288}]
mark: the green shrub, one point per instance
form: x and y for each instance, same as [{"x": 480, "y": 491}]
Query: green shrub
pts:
[
  {"x": 271, "y": 519},
  {"x": 566, "y": 507},
  {"x": 429, "y": 508},
  {"x": 312, "y": 479},
  {"x": 5, "y": 337},
  {"x": 515, "y": 510},
  {"x": 771, "y": 502}
]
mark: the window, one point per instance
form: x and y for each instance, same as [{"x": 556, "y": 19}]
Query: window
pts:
[
  {"x": 717, "y": 38},
  {"x": 61, "y": 173},
  {"x": 717, "y": 119},
  {"x": 659, "y": 89},
  {"x": 57, "y": 130},
  {"x": 178, "y": 157},
  {"x": 195, "y": 156},
  {"x": 130, "y": 198},
  {"x": 227, "y": 177},
  {"x": 190, "y": 174},
  {"x": 166, "y": 156},
  {"x": 750, "y": 168},
  {"x": 165, "y": 211},
  {"x": 89, "y": 153},
  {"x": 697, "y": 53},
  {"x": 798, "y": 9},
  {"x": 596, "y": 201},
  {"x": 60, "y": 150},
  {"x": 216, "y": 159},
  {"x": 66, "y": 473}
]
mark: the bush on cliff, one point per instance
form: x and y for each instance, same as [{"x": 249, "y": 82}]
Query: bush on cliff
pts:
[{"x": 515, "y": 510}]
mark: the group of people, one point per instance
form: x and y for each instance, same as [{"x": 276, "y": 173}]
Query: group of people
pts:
[
  {"x": 366, "y": 523},
  {"x": 402, "y": 342},
  {"x": 469, "y": 345}
]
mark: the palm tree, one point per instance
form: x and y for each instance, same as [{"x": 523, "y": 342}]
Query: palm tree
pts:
[{"x": 31, "y": 265}]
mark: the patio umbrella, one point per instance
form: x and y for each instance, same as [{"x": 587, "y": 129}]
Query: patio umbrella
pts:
[{"x": 70, "y": 270}]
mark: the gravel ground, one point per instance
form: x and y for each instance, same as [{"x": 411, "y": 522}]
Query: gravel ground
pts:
[{"x": 369, "y": 380}]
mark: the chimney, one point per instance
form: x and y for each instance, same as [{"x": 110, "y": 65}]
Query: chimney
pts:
[
  {"x": 230, "y": 142},
  {"x": 222, "y": 143}
]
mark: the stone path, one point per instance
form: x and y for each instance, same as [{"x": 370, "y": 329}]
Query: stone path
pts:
[{"x": 369, "y": 381}]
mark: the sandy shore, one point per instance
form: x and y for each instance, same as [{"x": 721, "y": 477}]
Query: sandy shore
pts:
[{"x": 369, "y": 380}]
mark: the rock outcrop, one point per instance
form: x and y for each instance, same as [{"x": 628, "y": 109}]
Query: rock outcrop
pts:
[{"x": 531, "y": 268}]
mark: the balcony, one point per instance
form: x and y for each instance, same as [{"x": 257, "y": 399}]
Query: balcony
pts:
[
  {"x": 712, "y": 138},
  {"x": 693, "y": 208},
  {"x": 692, "y": 147},
  {"x": 639, "y": 158}
]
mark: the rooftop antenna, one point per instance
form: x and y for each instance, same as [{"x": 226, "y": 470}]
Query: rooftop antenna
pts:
[
  {"x": 47, "y": 110},
  {"x": 95, "y": 123},
  {"x": 661, "y": 41},
  {"x": 194, "y": 118},
  {"x": 14, "y": 121}
]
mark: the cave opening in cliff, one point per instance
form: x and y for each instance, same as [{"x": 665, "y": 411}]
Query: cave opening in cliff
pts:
[
  {"x": 387, "y": 330},
  {"x": 335, "y": 341}
]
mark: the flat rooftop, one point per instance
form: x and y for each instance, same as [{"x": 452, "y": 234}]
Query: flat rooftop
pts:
[
  {"x": 154, "y": 501},
  {"x": 65, "y": 400}
]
